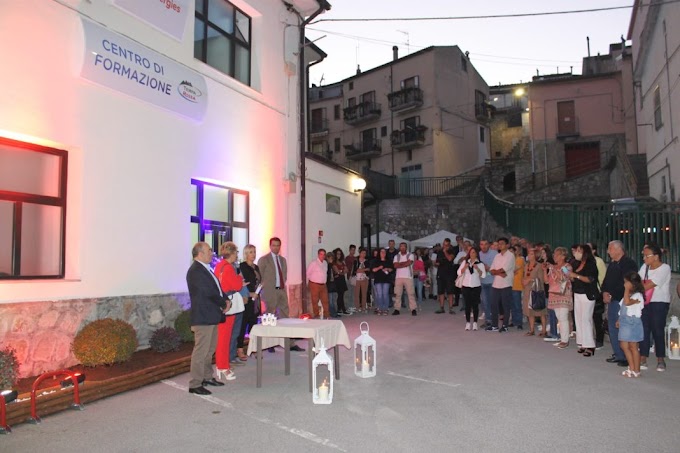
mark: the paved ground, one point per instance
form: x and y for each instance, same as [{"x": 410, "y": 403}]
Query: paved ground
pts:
[{"x": 438, "y": 389}]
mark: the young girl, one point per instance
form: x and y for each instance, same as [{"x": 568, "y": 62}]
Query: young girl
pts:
[{"x": 630, "y": 322}]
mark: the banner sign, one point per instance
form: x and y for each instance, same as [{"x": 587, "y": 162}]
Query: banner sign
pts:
[
  {"x": 168, "y": 16},
  {"x": 126, "y": 66}
]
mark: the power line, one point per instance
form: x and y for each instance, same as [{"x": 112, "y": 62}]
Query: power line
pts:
[
  {"x": 494, "y": 16},
  {"x": 472, "y": 53}
]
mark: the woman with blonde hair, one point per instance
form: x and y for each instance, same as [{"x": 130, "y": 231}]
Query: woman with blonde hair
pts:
[
  {"x": 231, "y": 283},
  {"x": 252, "y": 277},
  {"x": 559, "y": 292},
  {"x": 533, "y": 281}
]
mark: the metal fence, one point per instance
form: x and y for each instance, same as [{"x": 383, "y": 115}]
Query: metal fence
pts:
[
  {"x": 633, "y": 223},
  {"x": 385, "y": 186}
]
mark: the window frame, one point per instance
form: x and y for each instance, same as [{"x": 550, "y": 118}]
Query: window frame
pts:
[
  {"x": 228, "y": 226},
  {"x": 19, "y": 198},
  {"x": 234, "y": 41}
]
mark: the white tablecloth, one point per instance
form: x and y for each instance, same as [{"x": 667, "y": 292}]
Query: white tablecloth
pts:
[{"x": 332, "y": 332}]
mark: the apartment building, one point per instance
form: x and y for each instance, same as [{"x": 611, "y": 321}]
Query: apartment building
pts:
[
  {"x": 509, "y": 127},
  {"x": 656, "y": 60},
  {"x": 425, "y": 114}
]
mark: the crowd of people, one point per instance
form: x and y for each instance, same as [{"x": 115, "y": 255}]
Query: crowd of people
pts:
[{"x": 501, "y": 285}]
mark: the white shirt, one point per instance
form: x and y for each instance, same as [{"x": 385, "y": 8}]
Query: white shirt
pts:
[
  {"x": 317, "y": 271},
  {"x": 504, "y": 261},
  {"x": 403, "y": 272},
  {"x": 661, "y": 276},
  {"x": 217, "y": 282},
  {"x": 472, "y": 280},
  {"x": 635, "y": 309}
]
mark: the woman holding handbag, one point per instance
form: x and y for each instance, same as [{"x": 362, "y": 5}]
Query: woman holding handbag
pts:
[
  {"x": 533, "y": 283},
  {"x": 231, "y": 284},
  {"x": 656, "y": 277},
  {"x": 360, "y": 272},
  {"x": 584, "y": 286}
]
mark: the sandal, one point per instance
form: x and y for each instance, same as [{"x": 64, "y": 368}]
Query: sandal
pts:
[
  {"x": 581, "y": 350},
  {"x": 562, "y": 345},
  {"x": 241, "y": 355},
  {"x": 530, "y": 334},
  {"x": 589, "y": 352}
]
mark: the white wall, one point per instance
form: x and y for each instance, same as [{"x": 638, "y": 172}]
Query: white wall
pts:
[
  {"x": 339, "y": 230},
  {"x": 130, "y": 162}
]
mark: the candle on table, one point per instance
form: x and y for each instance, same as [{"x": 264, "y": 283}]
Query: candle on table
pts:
[{"x": 323, "y": 391}]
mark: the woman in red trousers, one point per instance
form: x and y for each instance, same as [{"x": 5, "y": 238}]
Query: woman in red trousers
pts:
[{"x": 230, "y": 282}]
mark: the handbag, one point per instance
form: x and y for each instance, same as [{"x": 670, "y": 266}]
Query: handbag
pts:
[
  {"x": 650, "y": 291},
  {"x": 237, "y": 305},
  {"x": 537, "y": 296},
  {"x": 459, "y": 280}
]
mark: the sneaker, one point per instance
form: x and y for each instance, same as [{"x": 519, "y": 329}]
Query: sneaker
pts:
[
  {"x": 598, "y": 346},
  {"x": 503, "y": 329},
  {"x": 440, "y": 311},
  {"x": 551, "y": 339},
  {"x": 414, "y": 313},
  {"x": 474, "y": 326},
  {"x": 491, "y": 329},
  {"x": 643, "y": 366},
  {"x": 237, "y": 362},
  {"x": 661, "y": 366},
  {"x": 481, "y": 316},
  {"x": 467, "y": 326},
  {"x": 452, "y": 311},
  {"x": 396, "y": 312}
]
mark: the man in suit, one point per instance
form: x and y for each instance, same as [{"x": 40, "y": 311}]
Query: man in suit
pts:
[
  {"x": 274, "y": 271},
  {"x": 208, "y": 305}
]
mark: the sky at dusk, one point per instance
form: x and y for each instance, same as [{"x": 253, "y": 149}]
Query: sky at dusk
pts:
[{"x": 503, "y": 50}]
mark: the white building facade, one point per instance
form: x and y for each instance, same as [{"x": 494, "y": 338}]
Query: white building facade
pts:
[{"x": 133, "y": 129}]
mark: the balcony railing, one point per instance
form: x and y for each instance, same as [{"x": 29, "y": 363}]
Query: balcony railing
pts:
[
  {"x": 362, "y": 113},
  {"x": 483, "y": 111},
  {"x": 367, "y": 149},
  {"x": 409, "y": 138},
  {"x": 405, "y": 99},
  {"x": 318, "y": 128}
]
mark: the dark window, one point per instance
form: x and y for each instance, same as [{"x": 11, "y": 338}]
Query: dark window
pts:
[
  {"x": 336, "y": 145},
  {"x": 658, "y": 121},
  {"x": 383, "y": 131},
  {"x": 481, "y": 134},
  {"x": 514, "y": 119},
  {"x": 219, "y": 214},
  {"x": 222, "y": 38},
  {"x": 351, "y": 102},
  {"x": 351, "y": 85},
  {"x": 411, "y": 82},
  {"x": 368, "y": 135},
  {"x": 463, "y": 63},
  {"x": 32, "y": 210},
  {"x": 409, "y": 154},
  {"x": 367, "y": 97},
  {"x": 336, "y": 111},
  {"x": 409, "y": 124}
]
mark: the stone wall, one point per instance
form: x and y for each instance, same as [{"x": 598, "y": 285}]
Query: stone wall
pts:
[
  {"x": 413, "y": 218},
  {"x": 593, "y": 186},
  {"x": 42, "y": 332}
]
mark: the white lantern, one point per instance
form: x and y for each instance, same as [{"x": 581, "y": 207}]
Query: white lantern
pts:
[
  {"x": 364, "y": 354},
  {"x": 322, "y": 377},
  {"x": 673, "y": 339}
]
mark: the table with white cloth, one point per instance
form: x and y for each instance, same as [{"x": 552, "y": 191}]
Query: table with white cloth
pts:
[{"x": 332, "y": 332}]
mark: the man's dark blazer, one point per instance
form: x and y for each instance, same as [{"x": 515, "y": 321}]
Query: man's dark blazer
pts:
[{"x": 207, "y": 304}]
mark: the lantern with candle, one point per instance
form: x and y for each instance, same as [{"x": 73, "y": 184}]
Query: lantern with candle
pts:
[
  {"x": 364, "y": 353},
  {"x": 322, "y": 377},
  {"x": 673, "y": 339}
]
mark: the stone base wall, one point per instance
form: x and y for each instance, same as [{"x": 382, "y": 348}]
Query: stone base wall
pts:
[{"x": 42, "y": 332}]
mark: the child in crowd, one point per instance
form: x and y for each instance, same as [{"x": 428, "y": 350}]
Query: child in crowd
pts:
[{"x": 630, "y": 322}]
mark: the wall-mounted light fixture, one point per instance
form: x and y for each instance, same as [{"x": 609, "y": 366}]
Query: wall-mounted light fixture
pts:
[{"x": 358, "y": 184}]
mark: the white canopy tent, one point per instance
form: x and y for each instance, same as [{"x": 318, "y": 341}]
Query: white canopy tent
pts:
[
  {"x": 436, "y": 238},
  {"x": 381, "y": 239}
]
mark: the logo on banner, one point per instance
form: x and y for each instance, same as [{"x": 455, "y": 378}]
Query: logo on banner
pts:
[{"x": 189, "y": 92}]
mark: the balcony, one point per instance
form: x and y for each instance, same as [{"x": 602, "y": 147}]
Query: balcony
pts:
[
  {"x": 406, "y": 99},
  {"x": 362, "y": 113},
  {"x": 483, "y": 111},
  {"x": 409, "y": 138},
  {"x": 318, "y": 128},
  {"x": 368, "y": 149}
]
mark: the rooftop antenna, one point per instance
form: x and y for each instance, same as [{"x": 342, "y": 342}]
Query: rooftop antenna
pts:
[
  {"x": 321, "y": 80},
  {"x": 356, "y": 57},
  {"x": 408, "y": 40}
]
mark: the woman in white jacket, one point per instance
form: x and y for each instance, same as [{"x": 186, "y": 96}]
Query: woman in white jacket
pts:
[{"x": 472, "y": 271}]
